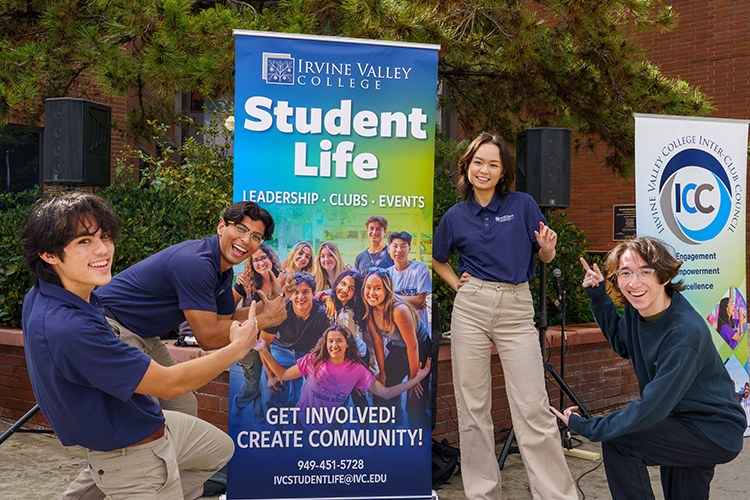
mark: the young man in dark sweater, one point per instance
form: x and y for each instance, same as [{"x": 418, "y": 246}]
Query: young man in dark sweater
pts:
[{"x": 687, "y": 419}]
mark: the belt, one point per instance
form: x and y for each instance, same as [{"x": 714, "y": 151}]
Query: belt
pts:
[{"x": 153, "y": 437}]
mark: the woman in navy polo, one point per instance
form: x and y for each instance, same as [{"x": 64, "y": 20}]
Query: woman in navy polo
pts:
[{"x": 496, "y": 232}]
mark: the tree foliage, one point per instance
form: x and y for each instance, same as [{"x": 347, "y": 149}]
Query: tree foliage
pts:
[{"x": 504, "y": 65}]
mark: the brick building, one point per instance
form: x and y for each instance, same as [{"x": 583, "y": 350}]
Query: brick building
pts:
[{"x": 710, "y": 49}]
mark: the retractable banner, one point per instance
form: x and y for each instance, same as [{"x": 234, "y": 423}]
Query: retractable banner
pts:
[
  {"x": 329, "y": 133},
  {"x": 690, "y": 192}
]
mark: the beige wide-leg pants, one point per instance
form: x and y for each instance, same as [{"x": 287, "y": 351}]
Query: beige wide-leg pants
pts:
[{"x": 501, "y": 314}]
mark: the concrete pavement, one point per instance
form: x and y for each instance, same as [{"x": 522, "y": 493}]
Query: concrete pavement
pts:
[{"x": 37, "y": 467}]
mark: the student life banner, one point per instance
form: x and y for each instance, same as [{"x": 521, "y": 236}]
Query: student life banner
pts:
[
  {"x": 690, "y": 192},
  {"x": 330, "y": 132}
]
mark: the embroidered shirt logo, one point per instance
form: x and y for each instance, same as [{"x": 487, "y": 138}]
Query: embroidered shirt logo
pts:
[{"x": 505, "y": 218}]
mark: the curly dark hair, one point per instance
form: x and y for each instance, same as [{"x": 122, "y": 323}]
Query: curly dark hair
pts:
[
  {"x": 356, "y": 302},
  {"x": 250, "y": 279},
  {"x": 320, "y": 351},
  {"x": 53, "y": 223}
]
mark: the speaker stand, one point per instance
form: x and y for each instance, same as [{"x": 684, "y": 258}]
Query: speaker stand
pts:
[{"x": 540, "y": 318}]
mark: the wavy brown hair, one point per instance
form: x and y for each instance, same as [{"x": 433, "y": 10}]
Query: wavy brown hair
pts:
[
  {"x": 390, "y": 302},
  {"x": 657, "y": 256}
]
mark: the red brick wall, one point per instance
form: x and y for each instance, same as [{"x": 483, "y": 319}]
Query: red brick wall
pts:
[
  {"x": 605, "y": 381},
  {"x": 17, "y": 397},
  {"x": 598, "y": 377},
  {"x": 709, "y": 49}
]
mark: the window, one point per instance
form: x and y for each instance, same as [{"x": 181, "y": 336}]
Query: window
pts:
[{"x": 21, "y": 150}]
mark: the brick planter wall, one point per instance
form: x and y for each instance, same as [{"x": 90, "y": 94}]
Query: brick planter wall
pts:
[{"x": 604, "y": 381}]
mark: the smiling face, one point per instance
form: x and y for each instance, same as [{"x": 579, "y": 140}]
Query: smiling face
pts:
[
  {"x": 646, "y": 295},
  {"x": 730, "y": 308},
  {"x": 86, "y": 262},
  {"x": 327, "y": 259},
  {"x": 399, "y": 250},
  {"x": 302, "y": 258},
  {"x": 336, "y": 346},
  {"x": 261, "y": 262},
  {"x": 233, "y": 246},
  {"x": 375, "y": 232},
  {"x": 485, "y": 169},
  {"x": 345, "y": 290},
  {"x": 374, "y": 290},
  {"x": 302, "y": 300}
]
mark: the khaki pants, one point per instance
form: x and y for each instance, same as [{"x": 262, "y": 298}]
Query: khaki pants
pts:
[
  {"x": 501, "y": 314},
  {"x": 174, "y": 466},
  {"x": 84, "y": 487}
]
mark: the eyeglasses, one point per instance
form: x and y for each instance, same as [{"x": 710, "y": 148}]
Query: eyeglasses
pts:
[
  {"x": 643, "y": 273},
  {"x": 261, "y": 259},
  {"x": 244, "y": 231}
]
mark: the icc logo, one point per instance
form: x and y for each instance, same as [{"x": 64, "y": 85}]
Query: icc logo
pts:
[
  {"x": 695, "y": 196},
  {"x": 278, "y": 68}
]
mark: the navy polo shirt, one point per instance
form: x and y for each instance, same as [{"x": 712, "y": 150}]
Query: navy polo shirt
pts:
[
  {"x": 301, "y": 335},
  {"x": 84, "y": 377},
  {"x": 148, "y": 298},
  {"x": 495, "y": 243}
]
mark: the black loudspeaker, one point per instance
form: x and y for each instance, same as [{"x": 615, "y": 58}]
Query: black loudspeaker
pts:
[
  {"x": 543, "y": 165},
  {"x": 77, "y": 142}
]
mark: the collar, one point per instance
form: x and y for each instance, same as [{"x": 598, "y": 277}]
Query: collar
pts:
[
  {"x": 51, "y": 290},
  {"x": 492, "y": 206},
  {"x": 216, "y": 254}
]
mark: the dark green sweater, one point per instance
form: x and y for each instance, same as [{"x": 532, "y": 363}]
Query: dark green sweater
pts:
[{"x": 679, "y": 373}]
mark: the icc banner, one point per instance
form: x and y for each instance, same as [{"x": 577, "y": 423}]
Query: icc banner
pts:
[
  {"x": 690, "y": 192},
  {"x": 335, "y": 138}
]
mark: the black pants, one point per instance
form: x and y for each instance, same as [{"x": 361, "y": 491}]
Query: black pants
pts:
[
  {"x": 396, "y": 370},
  {"x": 687, "y": 459}
]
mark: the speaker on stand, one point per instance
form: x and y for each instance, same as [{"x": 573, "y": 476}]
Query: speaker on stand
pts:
[
  {"x": 543, "y": 165},
  {"x": 77, "y": 142},
  {"x": 543, "y": 171}
]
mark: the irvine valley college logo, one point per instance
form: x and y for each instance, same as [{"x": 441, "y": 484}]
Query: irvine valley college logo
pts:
[
  {"x": 278, "y": 68},
  {"x": 694, "y": 196}
]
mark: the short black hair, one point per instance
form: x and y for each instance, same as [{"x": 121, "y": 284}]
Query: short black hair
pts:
[
  {"x": 53, "y": 223},
  {"x": 402, "y": 235},
  {"x": 240, "y": 210},
  {"x": 306, "y": 278}
]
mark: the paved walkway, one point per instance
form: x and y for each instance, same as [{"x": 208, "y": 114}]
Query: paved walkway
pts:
[{"x": 37, "y": 467}]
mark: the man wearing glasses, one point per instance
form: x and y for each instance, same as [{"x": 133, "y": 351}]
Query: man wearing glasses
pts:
[
  {"x": 687, "y": 419},
  {"x": 191, "y": 281}
]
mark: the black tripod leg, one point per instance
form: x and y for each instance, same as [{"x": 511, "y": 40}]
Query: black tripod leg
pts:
[
  {"x": 507, "y": 449},
  {"x": 13, "y": 428},
  {"x": 566, "y": 389}
]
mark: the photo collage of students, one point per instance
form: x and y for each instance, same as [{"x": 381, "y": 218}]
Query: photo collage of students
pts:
[{"x": 354, "y": 336}]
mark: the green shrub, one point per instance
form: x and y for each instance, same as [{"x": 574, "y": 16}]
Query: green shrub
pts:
[
  {"x": 14, "y": 279},
  {"x": 171, "y": 202},
  {"x": 571, "y": 246}
]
